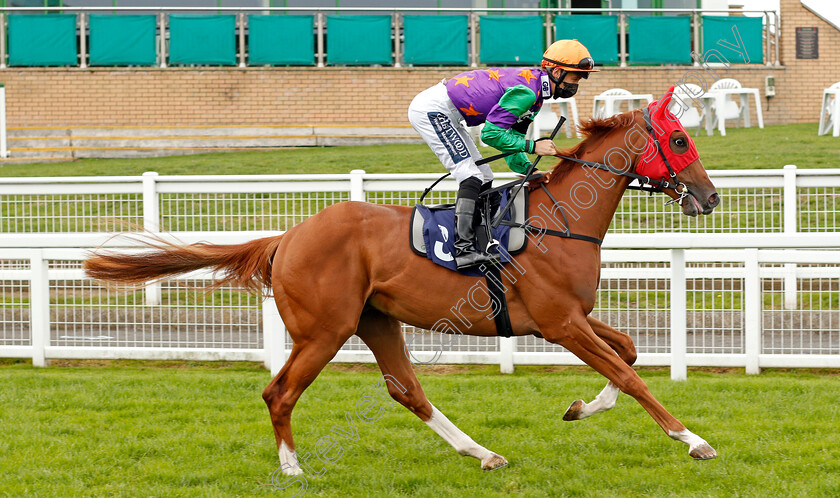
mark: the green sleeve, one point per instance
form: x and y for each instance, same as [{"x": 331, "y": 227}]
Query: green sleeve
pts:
[
  {"x": 518, "y": 162},
  {"x": 509, "y": 141},
  {"x": 517, "y": 101},
  {"x": 506, "y": 140}
]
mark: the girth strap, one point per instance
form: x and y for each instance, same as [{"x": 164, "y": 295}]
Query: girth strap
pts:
[{"x": 493, "y": 277}]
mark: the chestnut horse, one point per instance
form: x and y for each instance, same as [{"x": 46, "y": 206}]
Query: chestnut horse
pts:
[{"x": 349, "y": 270}]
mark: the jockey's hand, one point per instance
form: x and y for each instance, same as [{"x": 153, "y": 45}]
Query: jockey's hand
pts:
[{"x": 545, "y": 148}]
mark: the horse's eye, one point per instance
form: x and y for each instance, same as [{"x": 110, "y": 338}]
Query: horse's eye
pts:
[{"x": 679, "y": 142}]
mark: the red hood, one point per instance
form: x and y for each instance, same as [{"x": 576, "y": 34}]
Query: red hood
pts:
[{"x": 664, "y": 123}]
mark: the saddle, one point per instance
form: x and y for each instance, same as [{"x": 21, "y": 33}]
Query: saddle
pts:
[{"x": 433, "y": 226}]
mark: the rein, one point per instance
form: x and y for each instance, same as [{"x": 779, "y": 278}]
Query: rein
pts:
[{"x": 655, "y": 185}]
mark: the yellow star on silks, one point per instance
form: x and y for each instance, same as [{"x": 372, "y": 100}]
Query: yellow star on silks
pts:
[
  {"x": 493, "y": 74},
  {"x": 470, "y": 111},
  {"x": 464, "y": 80},
  {"x": 527, "y": 74}
]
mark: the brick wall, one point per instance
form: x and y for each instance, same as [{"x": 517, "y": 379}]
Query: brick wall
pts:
[
  {"x": 359, "y": 96},
  {"x": 804, "y": 80}
]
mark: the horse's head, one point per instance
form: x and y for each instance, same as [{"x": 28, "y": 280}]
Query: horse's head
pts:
[{"x": 679, "y": 152}]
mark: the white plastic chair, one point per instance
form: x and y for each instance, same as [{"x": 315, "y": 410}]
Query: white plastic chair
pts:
[
  {"x": 728, "y": 108},
  {"x": 828, "y": 118},
  {"x": 690, "y": 117},
  {"x": 606, "y": 109},
  {"x": 547, "y": 118}
]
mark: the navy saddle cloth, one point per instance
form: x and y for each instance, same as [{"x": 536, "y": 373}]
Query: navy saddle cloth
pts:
[{"x": 434, "y": 227}]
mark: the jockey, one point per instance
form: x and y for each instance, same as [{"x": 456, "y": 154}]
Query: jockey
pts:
[{"x": 505, "y": 100}]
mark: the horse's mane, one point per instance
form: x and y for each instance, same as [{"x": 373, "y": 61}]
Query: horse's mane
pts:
[{"x": 593, "y": 130}]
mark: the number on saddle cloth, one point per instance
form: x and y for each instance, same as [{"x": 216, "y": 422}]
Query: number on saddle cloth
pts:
[{"x": 432, "y": 232}]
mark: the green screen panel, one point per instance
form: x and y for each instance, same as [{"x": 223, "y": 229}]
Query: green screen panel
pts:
[
  {"x": 123, "y": 40},
  {"x": 599, "y": 34},
  {"x": 281, "y": 40},
  {"x": 739, "y": 39},
  {"x": 202, "y": 39},
  {"x": 514, "y": 40},
  {"x": 431, "y": 40},
  {"x": 42, "y": 40},
  {"x": 659, "y": 40},
  {"x": 359, "y": 40}
]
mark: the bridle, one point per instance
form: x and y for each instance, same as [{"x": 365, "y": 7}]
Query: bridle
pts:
[
  {"x": 655, "y": 184},
  {"x": 646, "y": 183}
]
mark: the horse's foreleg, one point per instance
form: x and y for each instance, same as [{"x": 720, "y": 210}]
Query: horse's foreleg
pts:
[
  {"x": 623, "y": 346},
  {"x": 383, "y": 336},
  {"x": 575, "y": 334}
]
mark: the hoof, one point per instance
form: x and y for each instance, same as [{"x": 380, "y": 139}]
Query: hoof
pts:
[
  {"x": 288, "y": 469},
  {"x": 573, "y": 413},
  {"x": 703, "y": 452},
  {"x": 494, "y": 462}
]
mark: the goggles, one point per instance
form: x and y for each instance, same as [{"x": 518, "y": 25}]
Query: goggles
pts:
[{"x": 586, "y": 64}]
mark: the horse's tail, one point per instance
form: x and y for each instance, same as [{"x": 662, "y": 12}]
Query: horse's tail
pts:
[{"x": 245, "y": 265}]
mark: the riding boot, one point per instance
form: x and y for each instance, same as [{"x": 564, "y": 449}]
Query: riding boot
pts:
[{"x": 466, "y": 253}]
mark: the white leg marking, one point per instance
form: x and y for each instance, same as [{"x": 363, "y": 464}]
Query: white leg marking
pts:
[
  {"x": 603, "y": 402},
  {"x": 687, "y": 437},
  {"x": 698, "y": 448},
  {"x": 462, "y": 443},
  {"x": 289, "y": 461}
]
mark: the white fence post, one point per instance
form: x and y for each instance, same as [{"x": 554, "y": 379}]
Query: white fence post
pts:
[
  {"x": 473, "y": 40},
  {"x": 241, "y": 39},
  {"x": 752, "y": 310},
  {"x": 789, "y": 203},
  {"x": 4, "y": 151},
  {"x": 549, "y": 29},
  {"x": 695, "y": 21},
  {"x": 507, "y": 345},
  {"x": 163, "y": 39},
  {"x": 82, "y": 41},
  {"x": 319, "y": 25},
  {"x": 679, "y": 370},
  {"x": 2, "y": 41},
  {"x": 274, "y": 337},
  {"x": 622, "y": 39},
  {"x": 397, "y": 55},
  {"x": 151, "y": 223},
  {"x": 39, "y": 308},
  {"x": 357, "y": 185}
]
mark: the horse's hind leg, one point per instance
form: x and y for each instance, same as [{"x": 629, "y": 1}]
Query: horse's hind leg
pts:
[
  {"x": 305, "y": 362},
  {"x": 622, "y": 344},
  {"x": 383, "y": 336}
]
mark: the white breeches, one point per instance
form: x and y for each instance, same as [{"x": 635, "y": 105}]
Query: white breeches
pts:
[{"x": 436, "y": 119}]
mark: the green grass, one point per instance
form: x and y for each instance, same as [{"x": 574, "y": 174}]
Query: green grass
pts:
[
  {"x": 741, "y": 148},
  {"x": 133, "y": 428}
]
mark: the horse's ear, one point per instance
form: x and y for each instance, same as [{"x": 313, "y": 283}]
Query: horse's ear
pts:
[{"x": 662, "y": 107}]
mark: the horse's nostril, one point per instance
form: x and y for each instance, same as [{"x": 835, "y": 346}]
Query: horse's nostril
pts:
[{"x": 714, "y": 199}]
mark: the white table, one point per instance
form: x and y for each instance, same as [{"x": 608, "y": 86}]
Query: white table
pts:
[
  {"x": 705, "y": 101},
  {"x": 743, "y": 94},
  {"x": 835, "y": 112},
  {"x": 610, "y": 101}
]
